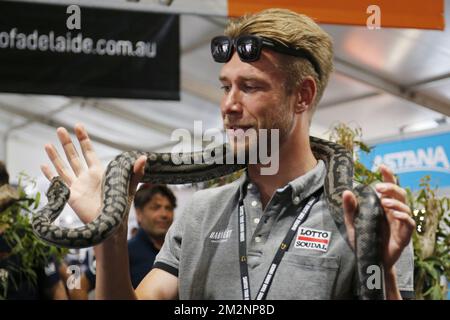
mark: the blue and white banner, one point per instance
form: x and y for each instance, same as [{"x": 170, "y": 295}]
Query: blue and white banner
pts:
[{"x": 411, "y": 159}]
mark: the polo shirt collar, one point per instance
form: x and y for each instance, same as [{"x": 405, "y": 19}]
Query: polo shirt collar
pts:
[
  {"x": 300, "y": 187},
  {"x": 310, "y": 182}
]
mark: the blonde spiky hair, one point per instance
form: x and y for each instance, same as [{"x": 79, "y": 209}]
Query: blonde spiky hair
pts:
[{"x": 296, "y": 31}]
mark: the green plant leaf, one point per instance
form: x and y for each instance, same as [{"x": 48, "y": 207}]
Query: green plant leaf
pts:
[{"x": 37, "y": 200}]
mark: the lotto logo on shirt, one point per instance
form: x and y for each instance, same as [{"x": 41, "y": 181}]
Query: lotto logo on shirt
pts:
[{"x": 312, "y": 239}]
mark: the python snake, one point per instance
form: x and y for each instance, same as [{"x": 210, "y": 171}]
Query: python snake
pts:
[{"x": 161, "y": 169}]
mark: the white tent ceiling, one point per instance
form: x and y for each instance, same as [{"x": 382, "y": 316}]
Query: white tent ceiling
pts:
[{"x": 385, "y": 80}]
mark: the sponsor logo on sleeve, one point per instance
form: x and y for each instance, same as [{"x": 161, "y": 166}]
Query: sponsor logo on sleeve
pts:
[{"x": 220, "y": 236}]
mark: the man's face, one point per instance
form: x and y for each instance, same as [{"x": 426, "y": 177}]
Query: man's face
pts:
[
  {"x": 255, "y": 97},
  {"x": 156, "y": 216}
]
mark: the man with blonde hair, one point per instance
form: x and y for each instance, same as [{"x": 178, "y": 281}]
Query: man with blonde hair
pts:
[{"x": 276, "y": 67}]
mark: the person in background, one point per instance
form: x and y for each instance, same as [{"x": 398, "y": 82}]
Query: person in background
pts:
[{"x": 154, "y": 207}]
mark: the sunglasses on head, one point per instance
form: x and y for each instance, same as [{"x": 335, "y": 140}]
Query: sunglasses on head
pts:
[{"x": 249, "y": 49}]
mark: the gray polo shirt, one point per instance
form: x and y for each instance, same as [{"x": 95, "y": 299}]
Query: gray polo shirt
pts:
[{"x": 201, "y": 247}]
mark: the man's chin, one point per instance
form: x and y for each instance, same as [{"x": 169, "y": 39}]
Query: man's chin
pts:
[
  {"x": 247, "y": 151},
  {"x": 238, "y": 147},
  {"x": 157, "y": 233}
]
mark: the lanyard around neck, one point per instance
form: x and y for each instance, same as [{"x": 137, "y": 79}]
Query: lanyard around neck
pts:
[{"x": 265, "y": 286}]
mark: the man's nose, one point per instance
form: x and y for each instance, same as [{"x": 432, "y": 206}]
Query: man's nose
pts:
[
  {"x": 165, "y": 214},
  {"x": 232, "y": 103}
]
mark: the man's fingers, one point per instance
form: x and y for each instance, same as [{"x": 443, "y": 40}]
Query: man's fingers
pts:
[
  {"x": 387, "y": 174},
  {"x": 139, "y": 166},
  {"x": 395, "y": 204},
  {"x": 350, "y": 203},
  {"x": 48, "y": 173},
  {"x": 350, "y": 206},
  {"x": 389, "y": 187},
  {"x": 59, "y": 165},
  {"x": 390, "y": 190},
  {"x": 138, "y": 173},
  {"x": 401, "y": 217},
  {"x": 70, "y": 151},
  {"x": 86, "y": 146}
]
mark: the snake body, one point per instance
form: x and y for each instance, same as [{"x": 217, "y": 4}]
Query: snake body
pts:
[{"x": 202, "y": 166}]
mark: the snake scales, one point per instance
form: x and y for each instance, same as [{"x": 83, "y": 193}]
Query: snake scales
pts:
[{"x": 160, "y": 169}]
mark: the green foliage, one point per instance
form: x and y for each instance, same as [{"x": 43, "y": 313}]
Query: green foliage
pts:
[
  {"x": 351, "y": 139},
  {"x": 431, "y": 240},
  {"x": 18, "y": 234}
]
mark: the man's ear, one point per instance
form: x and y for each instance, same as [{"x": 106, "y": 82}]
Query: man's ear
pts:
[
  {"x": 138, "y": 215},
  {"x": 306, "y": 92}
]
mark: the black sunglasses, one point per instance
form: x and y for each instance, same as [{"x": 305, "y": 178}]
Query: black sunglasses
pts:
[{"x": 249, "y": 49}]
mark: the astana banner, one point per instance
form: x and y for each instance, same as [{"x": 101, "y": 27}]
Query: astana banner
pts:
[{"x": 413, "y": 158}]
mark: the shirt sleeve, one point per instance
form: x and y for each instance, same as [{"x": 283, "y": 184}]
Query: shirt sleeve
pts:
[
  {"x": 405, "y": 272},
  {"x": 168, "y": 258}
]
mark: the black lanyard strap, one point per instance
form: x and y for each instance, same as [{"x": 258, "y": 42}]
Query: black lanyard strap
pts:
[
  {"x": 243, "y": 253},
  {"x": 284, "y": 246}
]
